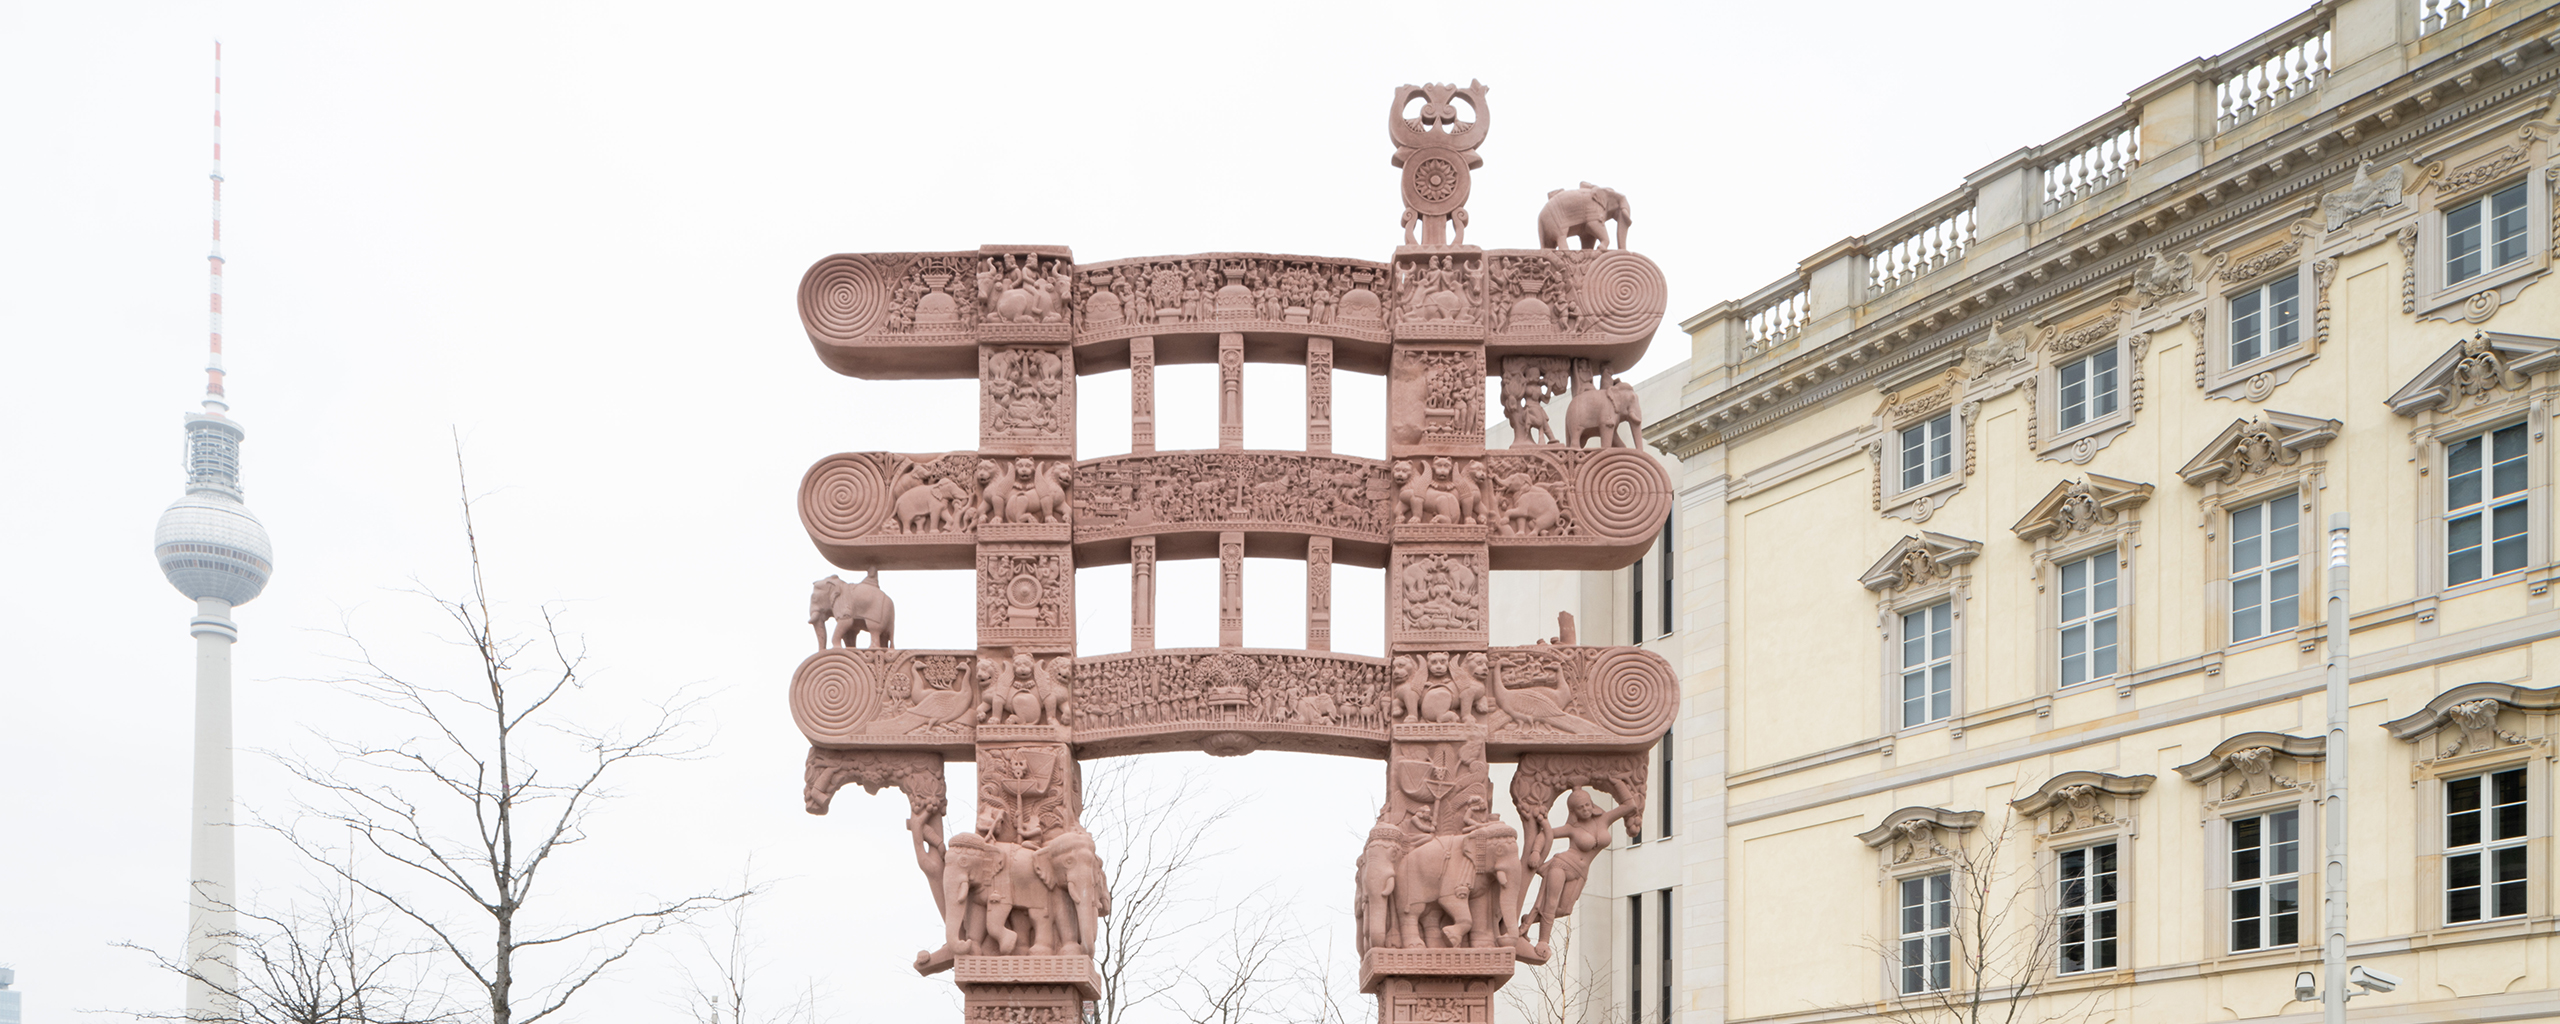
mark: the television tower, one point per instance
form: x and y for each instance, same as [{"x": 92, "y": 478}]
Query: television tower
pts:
[{"x": 214, "y": 551}]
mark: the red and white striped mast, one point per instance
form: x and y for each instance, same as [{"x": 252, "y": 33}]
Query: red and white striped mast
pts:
[{"x": 213, "y": 398}]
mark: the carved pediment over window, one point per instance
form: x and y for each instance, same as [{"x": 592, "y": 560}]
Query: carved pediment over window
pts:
[
  {"x": 2479, "y": 718},
  {"x": 2250, "y": 447},
  {"x": 2075, "y": 506},
  {"x": 1920, "y": 834},
  {"x": 2475, "y": 369},
  {"x": 2103, "y": 324},
  {"x": 1919, "y": 560},
  {"x": 1922, "y": 399},
  {"x": 2079, "y": 801},
  {"x": 2002, "y": 347},
  {"x": 2245, "y": 267},
  {"x": 2254, "y": 764}
]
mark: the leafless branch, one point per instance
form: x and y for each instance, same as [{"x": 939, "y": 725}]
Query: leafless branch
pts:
[{"x": 317, "y": 961}]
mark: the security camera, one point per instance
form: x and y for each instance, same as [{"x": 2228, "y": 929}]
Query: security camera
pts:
[
  {"x": 2306, "y": 987},
  {"x": 2372, "y": 980}
]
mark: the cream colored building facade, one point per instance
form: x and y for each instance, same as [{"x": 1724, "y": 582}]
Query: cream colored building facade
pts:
[{"x": 2001, "y": 549}]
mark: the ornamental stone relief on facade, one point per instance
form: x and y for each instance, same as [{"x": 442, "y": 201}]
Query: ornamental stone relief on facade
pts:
[
  {"x": 2074, "y": 803},
  {"x": 2244, "y": 267},
  {"x": 2475, "y": 723},
  {"x": 2255, "y": 765},
  {"x": 2066, "y": 342},
  {"x": 2454, "y": 179},
  {"x": 1914, "y": 837}
]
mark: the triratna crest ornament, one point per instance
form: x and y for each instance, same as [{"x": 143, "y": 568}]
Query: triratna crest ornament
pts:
[
  {"x": 1436, "y": 150},
  {"x": 1445, "y": 905}
]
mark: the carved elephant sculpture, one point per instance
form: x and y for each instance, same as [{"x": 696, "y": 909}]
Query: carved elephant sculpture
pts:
[
  {"x": 1079, "y": 894},
  {"x": 1597, "y": 412},
  {"x": 1435, "y": 875},
  {"x": 983, "y": 883},
  {"x": 934, "y": 504},
  {"x": 1583, "y": 213},
  {"x": 1376, "y": 870},
  {"x": 856, "y": 607}
]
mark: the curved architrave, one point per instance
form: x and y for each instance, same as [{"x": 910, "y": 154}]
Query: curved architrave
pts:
[
  {"x": 2439, "y": 711},
  {"x": 1935, "y": 817},
  {"x": 2299, "y": 748},
  {"x": 2053, "y": 791}
]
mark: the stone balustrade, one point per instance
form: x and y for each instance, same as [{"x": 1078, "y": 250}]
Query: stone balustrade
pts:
[
  {"x": 1939, "y": 240},
  {"x": 2093, "y": 163},
  {"x": 2280, "y": 74},
  {"x": 1775, "y": 322},
  {"x": 2437, "y": 15}
]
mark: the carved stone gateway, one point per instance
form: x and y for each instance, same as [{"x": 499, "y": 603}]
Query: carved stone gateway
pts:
[{"x": 1445, "y": 904}]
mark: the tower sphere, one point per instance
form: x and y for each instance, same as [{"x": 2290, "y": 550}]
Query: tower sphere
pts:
[{"x": 211, "y": 546}]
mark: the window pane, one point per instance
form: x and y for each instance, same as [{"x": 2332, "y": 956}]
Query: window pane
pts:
[
  {"x": 2462, "y": 871},
  {"x": 2284, "y": 606},
  {"x": 2244, "y": 607},
  {"x": 1942, "y": 693},
  {"x": 2285, "y": 909},
  {"x": 2462, "y": 243},
  {"x": 2245, "y": 326},
  {"x": 2284, "y": 314},
  {"x": 2102, "y": 654},
  {"x": 2102, "y": 383},
  {"x": 2462, "y": 795},
  {"x": 2507, "y": 225},
  {"x": 2462, "y": 549}
]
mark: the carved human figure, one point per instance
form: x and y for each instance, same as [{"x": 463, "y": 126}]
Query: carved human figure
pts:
[
  {"x": 1561, "y": 877},
  {"x": 856, "y": 607}
]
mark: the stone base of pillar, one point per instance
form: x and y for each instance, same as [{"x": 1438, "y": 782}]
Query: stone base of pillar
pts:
[
  {"x": 1025, "y": 989},
  {"x": 1454, "y": 985}
]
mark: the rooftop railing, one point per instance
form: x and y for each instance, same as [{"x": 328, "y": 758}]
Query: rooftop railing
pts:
[
  {"x": 1775, "y": 321},
  {"x": 2285, "y": 72},
  {"x": 1937, "y": 242},
  {"x": 2438, "y": 15},
  {"x": 2104, "y": 160}
]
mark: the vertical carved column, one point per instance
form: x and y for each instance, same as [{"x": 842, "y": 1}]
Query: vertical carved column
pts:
[
  {"x": 1320, "y": 394},
  {"x": 1027, "y": 797},
  {"x": 1231, "y": 391},
  {"x": 1142, "y": 594},
  {"x": 1231, "y": 590},
  {"x": 1319, "y": 593},
  {"x": 1142, "y": 394}
]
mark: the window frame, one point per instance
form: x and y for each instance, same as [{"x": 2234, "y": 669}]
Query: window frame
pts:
[
  {"x": 2443, "y": 745},
  {"x": 2082, "y": 441},
  {"x": 2226, "y": 539},
  {"x": 2264, "y": 882},
  {"x": 1935, "y": 464},
  {"x": 2090, "y": 907},
  {"x": 2290, "y": 780},
  {"x": 1899, "y": 592},
  {"x": 2115, "y": 611},
  {"x": 2486, "y": 506},
  {"x": 1898, "y": 966},
  {"x": 2252, "y": 267},
  {"x": 2487, "y": 879},
  {"x": 1944, "y": 658},
  {"x": 1914, "y": 403},
  {"x": 2451, "y": 182},
  {"x": 2484, "y": 200}
]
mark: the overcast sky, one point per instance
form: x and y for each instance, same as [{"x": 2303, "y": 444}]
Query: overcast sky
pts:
[{"x": 571, "y": 232}]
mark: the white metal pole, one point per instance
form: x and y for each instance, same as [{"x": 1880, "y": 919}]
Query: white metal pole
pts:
[{"x": 2333, "y": 772}]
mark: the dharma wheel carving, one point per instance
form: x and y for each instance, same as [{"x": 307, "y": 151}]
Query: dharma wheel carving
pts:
[{"x": 1449, "y": 896}]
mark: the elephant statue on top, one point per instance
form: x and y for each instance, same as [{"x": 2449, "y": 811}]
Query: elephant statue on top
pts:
[
  {"x": 1078, "y": 892},
  {"x": 1583, "y": 213},
  {"x": 856, "y": 607}
]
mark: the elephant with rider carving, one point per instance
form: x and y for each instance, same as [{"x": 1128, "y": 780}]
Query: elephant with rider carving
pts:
[
  {"x": 1597, "y": 412},
  {"x": 1583, "y": 213},
  {"x": 1471, "y": 879}
]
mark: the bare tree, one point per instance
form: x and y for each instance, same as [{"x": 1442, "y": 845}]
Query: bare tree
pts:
[
  {"x": 2002, "y": 945},
  {"x": 321, "y": 962},
  {"x": 1260, "y": 967},
  {"x": 1565, "y": 989},
  {"x": 463, "y": 820},
  {"x": 724, "y": 991},
  {"x": 1153, "y": 836}
]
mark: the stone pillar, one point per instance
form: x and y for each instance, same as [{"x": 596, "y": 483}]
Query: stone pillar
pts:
[
  {"x": 1231, "y": 590},
  {"x": 1025, "y": 597},
  {"x": 1319, "y": 593},
  {"x": 1142, "y": 594},
  {"x": 1142, "y": 394},
  {"x": 1438, "y": 560},
  {"x": 1231, "y": 391},
  {"x": 1320, "y": 394}
]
